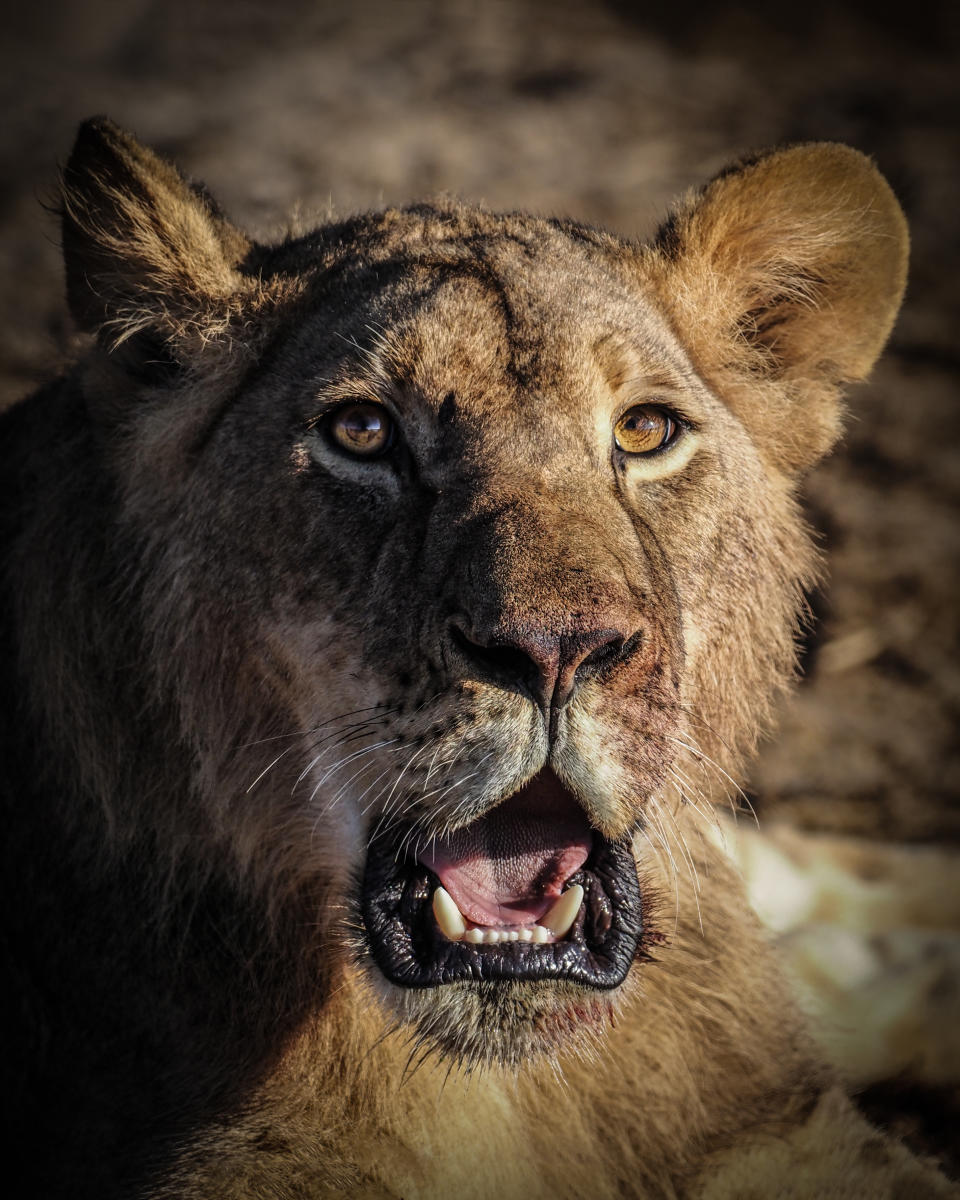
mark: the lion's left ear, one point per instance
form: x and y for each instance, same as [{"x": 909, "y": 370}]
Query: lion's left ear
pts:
[{"x": 783, "y": 278}]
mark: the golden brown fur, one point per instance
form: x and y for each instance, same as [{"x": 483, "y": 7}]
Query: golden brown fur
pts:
[{"x": 232, "y": 647}]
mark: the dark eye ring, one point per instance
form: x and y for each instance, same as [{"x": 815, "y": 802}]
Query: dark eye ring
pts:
[
  {"x": 645, "y": 429},
  {"x": 361, "y": 428}
]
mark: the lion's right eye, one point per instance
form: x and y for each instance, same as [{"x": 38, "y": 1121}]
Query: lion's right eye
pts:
[
  {"x": 645, "y": 429},
  {"x": 363, "y": 429}
]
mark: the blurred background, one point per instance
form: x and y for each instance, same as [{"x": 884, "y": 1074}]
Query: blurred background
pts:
[{"x": 604, "y": 111}]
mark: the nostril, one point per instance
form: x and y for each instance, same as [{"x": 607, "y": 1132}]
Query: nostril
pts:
[
  {"x": 504, "y": 663},
  {"x": 615, "y": 650},
  {"x": 597, "y": 659}
]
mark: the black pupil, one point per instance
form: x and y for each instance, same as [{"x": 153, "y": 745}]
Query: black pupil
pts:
[
  {"x": 644, "y": 422},
  {"x": 363, "y": 427},
  {"x": 361, "y": 423}
]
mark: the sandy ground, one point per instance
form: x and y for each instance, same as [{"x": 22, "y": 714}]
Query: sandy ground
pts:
[{"x": 604, "y": 112}]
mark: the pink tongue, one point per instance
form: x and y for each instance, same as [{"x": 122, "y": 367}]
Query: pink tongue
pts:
[{"x": 509, "y": 867}]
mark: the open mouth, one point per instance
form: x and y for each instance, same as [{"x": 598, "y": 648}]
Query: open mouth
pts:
[{"x": 528, "y": 891}]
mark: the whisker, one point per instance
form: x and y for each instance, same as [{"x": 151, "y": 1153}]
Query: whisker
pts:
[
  {"x": 334, "y": 767},
  {"x": 701, "y": 756},
  {"x": 307, "y": 732},
  {"x": 268, "y": 768},
  {"x": 359, "y": 725}
]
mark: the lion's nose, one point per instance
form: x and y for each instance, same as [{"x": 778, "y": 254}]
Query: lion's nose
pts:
[{"x": 547, "y": 665}]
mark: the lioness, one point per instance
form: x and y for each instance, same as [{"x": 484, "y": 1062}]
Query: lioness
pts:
[{"x": 383, "y": 612}]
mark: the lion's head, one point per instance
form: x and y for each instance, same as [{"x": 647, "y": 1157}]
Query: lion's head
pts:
[{"x": 451, "y": 553}]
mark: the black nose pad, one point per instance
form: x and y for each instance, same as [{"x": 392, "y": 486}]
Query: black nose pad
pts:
[{"x": 546, "y": 665}]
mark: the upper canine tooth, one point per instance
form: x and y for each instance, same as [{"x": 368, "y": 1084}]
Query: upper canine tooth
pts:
[
  {"x": 448, "y": 915},
  {"x": 560, "y": 917}
]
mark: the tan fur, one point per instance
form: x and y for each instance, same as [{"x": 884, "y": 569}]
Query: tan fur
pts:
[{"x": 255, "y": 669}]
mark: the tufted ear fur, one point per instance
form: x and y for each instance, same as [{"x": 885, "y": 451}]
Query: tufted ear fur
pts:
[
  {"x": 783, "y": 278},
  {"x": 149, "y": 258}
]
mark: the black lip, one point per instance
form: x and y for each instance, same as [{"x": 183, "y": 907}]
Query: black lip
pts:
[{"x": 410, "y": 950}]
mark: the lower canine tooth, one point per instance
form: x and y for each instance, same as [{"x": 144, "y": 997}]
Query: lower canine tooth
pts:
[
  {"x": 559, "y": 919},
  {"x": 448, "y": 915}
]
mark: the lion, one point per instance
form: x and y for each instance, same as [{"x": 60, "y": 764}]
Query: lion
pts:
[{"x": 386, "y": 611}]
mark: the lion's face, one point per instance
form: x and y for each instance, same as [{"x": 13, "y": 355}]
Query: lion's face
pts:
[
  {"x": 485, "y": 535},
  {"x": 465, "y": 575}
]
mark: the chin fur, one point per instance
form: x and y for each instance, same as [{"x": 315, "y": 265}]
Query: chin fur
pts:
[{"x": 502, "y": 1024}]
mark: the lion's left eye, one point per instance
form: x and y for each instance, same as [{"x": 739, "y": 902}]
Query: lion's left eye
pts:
[
  {"x": 644, "y": 429},
  {"x": 363, "y": 429}
]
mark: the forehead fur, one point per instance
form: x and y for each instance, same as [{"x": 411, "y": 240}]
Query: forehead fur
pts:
[
  {"x": 521, "y": 266},
  {"x": 446, "y": 232}
]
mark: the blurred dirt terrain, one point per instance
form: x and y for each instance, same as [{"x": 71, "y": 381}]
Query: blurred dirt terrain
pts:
[{"x": 602, "y": 111}]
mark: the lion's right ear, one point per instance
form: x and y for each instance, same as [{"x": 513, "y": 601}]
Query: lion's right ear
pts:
[{"x": 145, "y": 251}]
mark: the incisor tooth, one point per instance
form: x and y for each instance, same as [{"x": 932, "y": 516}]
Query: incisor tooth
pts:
[
  {"x": 474, "y": 935},
  {"x": 540, "y": 934},
  {"x": 448, "y": 915},
  {"x": 559, "y": 919}
]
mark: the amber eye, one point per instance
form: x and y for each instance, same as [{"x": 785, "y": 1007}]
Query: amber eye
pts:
[
  {"x": 645, "y": 429},
  {"x": 364, "y": 429}
]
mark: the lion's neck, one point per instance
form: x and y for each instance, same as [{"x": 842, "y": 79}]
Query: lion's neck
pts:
[{"x": 420, "y": 1128}]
